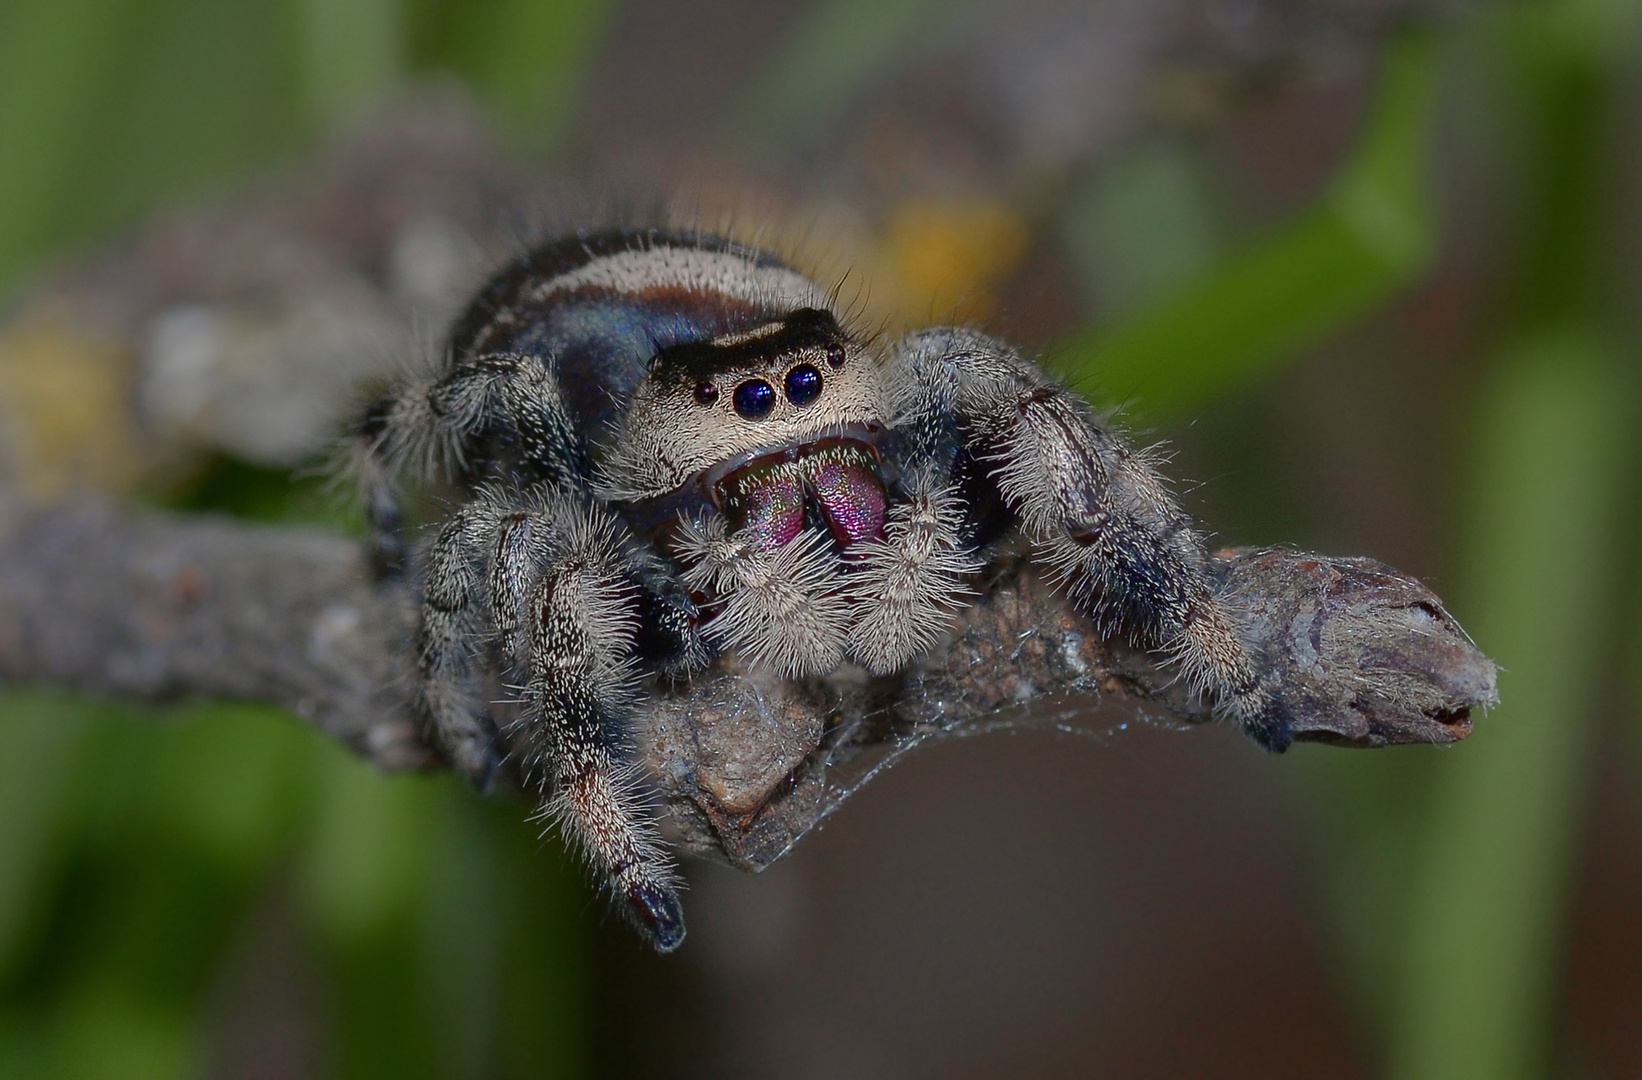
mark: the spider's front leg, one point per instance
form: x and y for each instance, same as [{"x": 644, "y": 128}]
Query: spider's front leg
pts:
[
  {"x": 450, "y": 647},
  {"x": 422, "y": 427},
  {"x": 1094, "y": 508},
  {"x": 567, "y": 603},
  {"x": 565, "y": 606}
]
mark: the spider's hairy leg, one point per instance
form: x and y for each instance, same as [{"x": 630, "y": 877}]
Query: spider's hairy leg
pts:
[
  {"x": 422, "y": 426},
  {"x": 373, "y": 469},
  {"x": 568, "y": 588},
  {"x": 1098, "y": 513},
  {"x": 908, "y": 586},
  {"x": 668, "y": 634},
  {"x": 783, "y": 608},
  {"x": 450, "y": 647}
]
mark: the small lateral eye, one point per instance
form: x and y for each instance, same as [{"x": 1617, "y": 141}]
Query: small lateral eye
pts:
[
  {"x": 706, "y": 393},
  {"x": 754, "y": 399},
  {"x": 803, "y": 384},
  {"x": 835, "y": 356}
]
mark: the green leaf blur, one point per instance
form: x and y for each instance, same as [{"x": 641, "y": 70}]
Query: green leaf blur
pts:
[{"x": 140, "y": 847}]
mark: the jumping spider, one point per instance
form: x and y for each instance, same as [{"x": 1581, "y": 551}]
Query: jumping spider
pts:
[{"x": 669, "y": 445}]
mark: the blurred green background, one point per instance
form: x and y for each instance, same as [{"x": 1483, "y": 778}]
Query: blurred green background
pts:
[{"x": 149, "y": 857}]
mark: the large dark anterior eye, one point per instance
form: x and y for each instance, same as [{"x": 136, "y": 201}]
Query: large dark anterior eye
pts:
[
  {"x": 754, "y": 399},
  {"x": 803, "y": 384}
]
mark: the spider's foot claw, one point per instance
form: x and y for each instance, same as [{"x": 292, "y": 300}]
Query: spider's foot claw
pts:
[{"x": 659, "y": 914}]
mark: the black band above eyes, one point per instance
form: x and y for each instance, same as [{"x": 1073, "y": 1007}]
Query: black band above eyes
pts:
[
  {"x": 695, "y": 361},
  {"x": 818, "y": 320}
]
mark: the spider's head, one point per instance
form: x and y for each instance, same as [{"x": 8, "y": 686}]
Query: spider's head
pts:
[{"x": 761, "y": 419}]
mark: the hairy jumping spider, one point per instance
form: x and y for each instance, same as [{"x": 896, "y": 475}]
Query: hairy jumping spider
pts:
[{"x": 670, "y": 445}]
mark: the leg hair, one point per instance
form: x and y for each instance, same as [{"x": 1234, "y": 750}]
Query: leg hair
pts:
[
  {"x": 907, "y": 587},
  {"x": 783, "y": 608},
  {"x": 1096, "y": 510},
  {"x": 582, "y": 617}
]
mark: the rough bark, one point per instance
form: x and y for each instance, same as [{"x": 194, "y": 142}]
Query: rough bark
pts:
[{"x": 143, "y": 605}]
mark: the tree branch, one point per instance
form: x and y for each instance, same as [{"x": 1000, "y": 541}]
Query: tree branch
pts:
[{"x": 138, "y": 604}]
